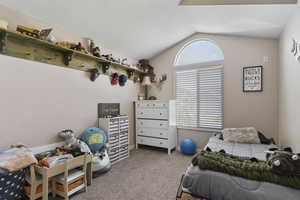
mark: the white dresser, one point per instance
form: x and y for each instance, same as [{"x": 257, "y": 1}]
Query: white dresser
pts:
[
  {"x": 117, "y": 130},
  {"x": 156, "y": 124}
]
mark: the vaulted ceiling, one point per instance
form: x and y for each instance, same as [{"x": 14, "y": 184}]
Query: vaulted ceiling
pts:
[{"x": 144, "y": 28}]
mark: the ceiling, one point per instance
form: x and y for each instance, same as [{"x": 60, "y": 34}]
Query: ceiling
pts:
[{"x": 144, "y": 28}]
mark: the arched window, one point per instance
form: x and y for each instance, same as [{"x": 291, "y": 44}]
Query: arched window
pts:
[
  {"x": 199, "y": 52},
  {"x": 199, "y": 86}
]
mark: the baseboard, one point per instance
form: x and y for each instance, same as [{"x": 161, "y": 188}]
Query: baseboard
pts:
[{"x": 131, "y": 147}]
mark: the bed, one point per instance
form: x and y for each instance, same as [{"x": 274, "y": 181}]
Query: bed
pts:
[{"x": 210, "y": 185}]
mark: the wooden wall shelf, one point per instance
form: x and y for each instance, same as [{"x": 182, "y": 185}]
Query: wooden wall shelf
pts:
[{"x": 22, "y": 46}]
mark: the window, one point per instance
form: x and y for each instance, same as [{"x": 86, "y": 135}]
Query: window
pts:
[{"x": 199, "y": 87}]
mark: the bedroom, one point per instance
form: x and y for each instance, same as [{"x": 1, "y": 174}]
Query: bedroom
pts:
[{"x": 47, "y": 87}]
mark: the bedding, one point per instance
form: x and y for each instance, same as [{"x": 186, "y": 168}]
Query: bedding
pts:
[
  {"x": 15, "y": 159},
  {"x": 251, "y": 168},
  {"x": 247, "y": 135},
  {"x": 219, "y": 186}
]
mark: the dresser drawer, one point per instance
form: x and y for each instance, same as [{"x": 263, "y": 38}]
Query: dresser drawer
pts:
[
  {"x": 142, "y": 123},
  {"x": 156, "y": 142},
  {"x": 159, "y": 133},
  {"x": 152, "y": 114},
  {"x": 152, "y": 104}
]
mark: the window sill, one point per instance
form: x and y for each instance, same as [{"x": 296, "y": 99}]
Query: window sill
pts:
[{"x": 208, "y": 130}]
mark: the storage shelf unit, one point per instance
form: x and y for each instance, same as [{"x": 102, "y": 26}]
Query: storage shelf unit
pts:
[
  {"x": 156, "y": 124},
  {"x": 117, "y": 130},
  {"x": 22, "y": 46}
]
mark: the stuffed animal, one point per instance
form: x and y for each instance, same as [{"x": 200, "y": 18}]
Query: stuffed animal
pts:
[
  {"x": 284, "y": 161},
  {"x": 69, "y": 136}
]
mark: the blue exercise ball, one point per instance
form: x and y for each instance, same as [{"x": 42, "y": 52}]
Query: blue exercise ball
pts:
[
  {"x": 95, "y": 138},
  {"x": 188, "y": 146}
]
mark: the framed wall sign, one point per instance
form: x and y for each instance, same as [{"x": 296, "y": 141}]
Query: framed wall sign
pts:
[{"x": 253, "y": 79}]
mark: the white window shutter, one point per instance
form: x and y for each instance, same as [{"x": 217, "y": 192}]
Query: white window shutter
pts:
[{"x": 200, "y": 98}]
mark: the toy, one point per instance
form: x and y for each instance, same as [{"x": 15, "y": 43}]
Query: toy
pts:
[
  {"x": 73, "y": 46},
  {"x": 28, "y": 31},
  {"x": 124, "y": 61},
  {"x": 96, "y": 52},
  {"x": 43, "y": 34},
  {"x": 108, "y": 57},
  {"x": 101, "y": 162},
  {"x": 44, "y": 162},
  {"x": 97, "y": 140},
  {"x": 188, "y": 146},
  {"x": 79, "y": 47},
  {"x": 284, "y": 161},
  {"x": 69, "y": 136}
]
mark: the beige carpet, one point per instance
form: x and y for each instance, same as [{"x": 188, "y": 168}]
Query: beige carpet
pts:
[{"x": 146, "y": 175}]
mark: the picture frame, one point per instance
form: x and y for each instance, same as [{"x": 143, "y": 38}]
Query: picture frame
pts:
[{"x": 253, "y": 79}]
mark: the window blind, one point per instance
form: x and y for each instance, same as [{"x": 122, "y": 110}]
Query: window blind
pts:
[{"x": 199, "y": 98}]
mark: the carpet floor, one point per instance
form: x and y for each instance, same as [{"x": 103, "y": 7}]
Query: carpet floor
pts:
[{"x": 146, "y": 175}]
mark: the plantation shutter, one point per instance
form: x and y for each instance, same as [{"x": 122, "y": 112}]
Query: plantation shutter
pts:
[{"x": 199, "y": 98}]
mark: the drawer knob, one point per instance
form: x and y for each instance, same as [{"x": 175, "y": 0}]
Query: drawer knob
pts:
[
  {"x": 160, "y": 124},
  {"x": 161, "y": 134},
  {"x": 160, "y": 143},
  {"x": 160, "y": 113}
]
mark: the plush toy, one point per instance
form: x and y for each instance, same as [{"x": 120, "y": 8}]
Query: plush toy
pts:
[
  {"x": 69, "y": 136},
  {"x": 283, "y": 161},
  {"x": 97, "y": 139}
]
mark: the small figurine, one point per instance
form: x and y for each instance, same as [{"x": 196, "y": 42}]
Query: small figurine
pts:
[
  {"x": 108, "y": 57},
  {"x": 96, "y": 52},
  {"x": 124, "y": 61},
  {"x": 78, "y": 47}
]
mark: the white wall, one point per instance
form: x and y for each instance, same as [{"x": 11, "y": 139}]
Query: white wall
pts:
[
  {"x": 289, "y": 92},
  {"x": 38, "y": 100},
  {"x": 241, "y": 109}
]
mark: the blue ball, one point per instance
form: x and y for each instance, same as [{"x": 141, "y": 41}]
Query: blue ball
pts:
[
  {"x": 95, "y": 138},
  {"x": 188, "y": 146}
]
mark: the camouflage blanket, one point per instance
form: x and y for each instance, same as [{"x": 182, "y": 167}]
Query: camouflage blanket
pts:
[{"x": 245, "y": 167}]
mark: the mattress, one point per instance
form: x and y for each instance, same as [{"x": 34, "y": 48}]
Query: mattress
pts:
[{"x": 218, "y": 186}]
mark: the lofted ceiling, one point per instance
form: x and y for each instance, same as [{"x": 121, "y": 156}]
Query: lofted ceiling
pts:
[{"x": 144, "y": 28}]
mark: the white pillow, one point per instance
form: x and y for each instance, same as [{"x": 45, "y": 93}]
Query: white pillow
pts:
[{"x": 247, "y": 135}]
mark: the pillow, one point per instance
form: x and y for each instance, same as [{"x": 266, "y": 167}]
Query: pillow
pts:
[{"x": 247, "y": 135}]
